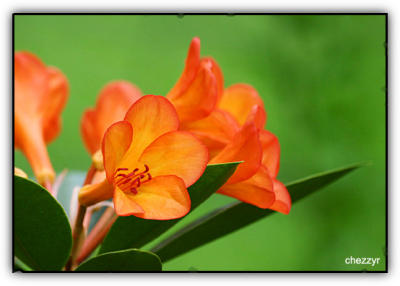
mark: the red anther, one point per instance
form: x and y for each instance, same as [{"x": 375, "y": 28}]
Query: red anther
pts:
[
  {"x": 129, "y": 182},
  {"x": 122, "y": 175},
  {"x": 137, "y": 181}
]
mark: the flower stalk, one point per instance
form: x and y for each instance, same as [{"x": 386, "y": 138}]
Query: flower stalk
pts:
[
  {"x": 77, "y": 237},
  {"x": 78, "y": 234},
  {"x": 96, "y": 236}
]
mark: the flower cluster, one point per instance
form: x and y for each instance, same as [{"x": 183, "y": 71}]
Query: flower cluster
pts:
[{"x": 148, "y": 149}]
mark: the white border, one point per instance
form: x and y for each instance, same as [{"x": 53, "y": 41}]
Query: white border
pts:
[{"x": 7, "y": 7}]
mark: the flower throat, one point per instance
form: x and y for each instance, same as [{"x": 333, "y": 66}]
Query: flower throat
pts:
[{"x": 130, "y": 182}]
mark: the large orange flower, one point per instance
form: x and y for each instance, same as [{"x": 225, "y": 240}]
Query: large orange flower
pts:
[
  {"x": 149, "y": 163},
  {"x": 234, "y": 131},
  {"x": 40, "y": 95}
]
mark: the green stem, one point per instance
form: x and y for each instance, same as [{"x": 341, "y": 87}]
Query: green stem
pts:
[{"x": 77, "y": 236}]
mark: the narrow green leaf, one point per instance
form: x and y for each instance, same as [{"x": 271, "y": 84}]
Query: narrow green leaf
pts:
[
  {"x": 133, "y": 232},
  {"x": 20, "y": 266},
  {"x": 236, "y": 215},
  {"x": 42, "y": 234},
  {"x": 124, "y": 260}
]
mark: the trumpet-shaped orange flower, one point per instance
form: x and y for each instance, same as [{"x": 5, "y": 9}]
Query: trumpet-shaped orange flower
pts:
[
  {"x": 201, "y": 84},
  {"x": 40, "y": 95},
  {"x": 234, "y": 131},
  {"x": 112, "y": 104},
  {"x": 149, "y": 163}
]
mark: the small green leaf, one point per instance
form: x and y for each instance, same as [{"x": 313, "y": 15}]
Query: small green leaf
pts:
[
  {"x": 124, "y": 260},
  {"x": 133, "y": 232},
  {"x": 236, "y": 215},
  {"x": 42, "y": 234}
]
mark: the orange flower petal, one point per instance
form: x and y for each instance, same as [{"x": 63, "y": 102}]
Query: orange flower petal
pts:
[
  {"x": 162, "y": 198},
  {"x": 219, "y": 77},
  {"x": 200, "y": 97},
  {"x": 258, "y": 116},
  {"x": 283, "y": 202},
  {"x": 271, "y": 152},
  {"x": 125, "y": 205},
  {"x": 176, "y": 153},
  {"x": 151, "y": 116},
  {"x": 246, "y": 147},
  {"x": 215, "y": 131},
  {"x": 116, "y": 142},
  {"x": 258, "y": 190},
  {"x": 112, "y": 104},
  {"x": 89, "y": 132},
  {"x": 56, "y": 98},
  {"x": 30, "y": 83},
  {"x": 189, "y": 73},
  {"x": 239, "y": 99}
]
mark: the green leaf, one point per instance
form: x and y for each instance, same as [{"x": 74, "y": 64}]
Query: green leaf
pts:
[
  {"x": 42, "y": 234},
  {"x": 236, "y": 215},
  {"x": 124, "y": 260},
  {"x": 20, "y": 266},
  {"x": 133, "y": 232}
]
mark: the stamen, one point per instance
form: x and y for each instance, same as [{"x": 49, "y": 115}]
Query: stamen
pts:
[{"x": 129, "y": 182}]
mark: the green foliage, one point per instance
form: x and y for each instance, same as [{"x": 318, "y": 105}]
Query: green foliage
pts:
[
  {"x": 128, "y": 232},
  {"x": 42, "y": 234},
  {"x": 237, "y": 215},
  {"x": 125, "y": 260}
]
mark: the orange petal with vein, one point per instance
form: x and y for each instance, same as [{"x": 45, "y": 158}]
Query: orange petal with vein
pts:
[
  {"x": 150, "y": 117},
  {"x": 178, "y": 153},
  {"x": 116, "y": 142},
  {"x": 283, "y": 202},
  {"x": 239, "y": 99},
  {"x": 162, "y": 198},
  {"x": 246, "y": 147}
]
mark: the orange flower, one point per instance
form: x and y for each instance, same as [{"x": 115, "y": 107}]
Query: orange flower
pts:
[
  {"x": 112, "y": 104},
  {"x": 201, "y": 84},
  {"x": 255, "y": 180},
  {"x": 40, "y": 95},
  {"x": 149, "y": 163},
  {"x": 234, "y": 131}
]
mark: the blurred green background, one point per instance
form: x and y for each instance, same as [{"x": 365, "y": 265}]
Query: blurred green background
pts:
[{"x": 322, "y": 79}]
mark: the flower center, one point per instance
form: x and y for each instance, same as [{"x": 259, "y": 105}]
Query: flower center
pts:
[{"x": 129, "y": 182}]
